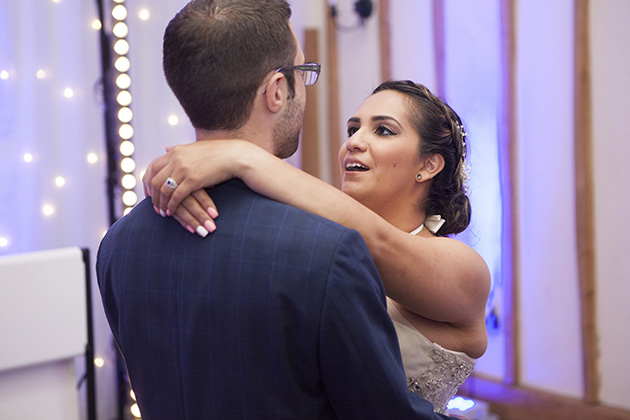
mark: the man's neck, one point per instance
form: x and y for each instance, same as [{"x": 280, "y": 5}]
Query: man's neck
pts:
[{"x": 258, "y": 137}]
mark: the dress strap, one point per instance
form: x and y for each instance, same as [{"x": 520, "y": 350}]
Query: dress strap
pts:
[
  {"x": 433, "y": 223},
  {"x": 416, "y": 231}
]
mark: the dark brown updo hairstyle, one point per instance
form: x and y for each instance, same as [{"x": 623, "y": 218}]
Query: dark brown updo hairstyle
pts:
[{"x": 441, "y": 131}]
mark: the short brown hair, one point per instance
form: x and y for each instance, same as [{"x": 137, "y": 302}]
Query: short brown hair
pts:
[{"x": 216, "y": 54}]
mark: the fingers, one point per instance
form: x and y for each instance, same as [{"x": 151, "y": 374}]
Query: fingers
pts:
[
  {"x": 154, "y": 177},
  {"x": 200, "y": 215},
  {"x": 192, "y": 223},
  {"x": 146, "y": 179},
  {"x": 205, "y": 204}
]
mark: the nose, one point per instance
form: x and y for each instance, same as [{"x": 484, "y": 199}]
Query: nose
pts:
[{"x": 355, "y": 142}]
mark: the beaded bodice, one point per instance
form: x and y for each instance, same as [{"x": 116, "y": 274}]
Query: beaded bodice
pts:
[{"x": 432, "y": 371}]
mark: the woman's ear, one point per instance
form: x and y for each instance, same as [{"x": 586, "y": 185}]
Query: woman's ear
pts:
[
  {"x": 275, "y": 92},
  {"x": 432, "y": 166}
]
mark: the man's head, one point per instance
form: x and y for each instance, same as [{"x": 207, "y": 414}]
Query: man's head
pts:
[{"x": 218, "y": 52}]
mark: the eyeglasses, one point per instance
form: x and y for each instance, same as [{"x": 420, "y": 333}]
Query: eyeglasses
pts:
[{"x": 310, "y": 72}]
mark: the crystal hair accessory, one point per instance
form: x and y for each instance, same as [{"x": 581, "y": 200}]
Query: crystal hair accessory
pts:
[
  {"x": 461, "y": 131},
  {"x": 465, "y": 171}
]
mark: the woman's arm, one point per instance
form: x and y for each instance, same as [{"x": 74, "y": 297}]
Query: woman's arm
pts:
[{"x": 438, "y": 278}]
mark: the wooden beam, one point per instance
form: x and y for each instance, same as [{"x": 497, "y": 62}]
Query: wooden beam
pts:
[
  {"x": 521, "y": 403},
  {"x": 585, "y": 214},
  {"x": 310, "y": 131},
  {"x": 332, "y": 76},
  {"x": 508, "y": 164},
  {"x": 384, "y": 39}
]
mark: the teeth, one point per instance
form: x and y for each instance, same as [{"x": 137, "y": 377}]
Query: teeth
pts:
[{"x": 356, "y": 167}]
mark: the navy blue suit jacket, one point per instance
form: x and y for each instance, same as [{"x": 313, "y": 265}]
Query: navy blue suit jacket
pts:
[{"x": 278, "y": 314}]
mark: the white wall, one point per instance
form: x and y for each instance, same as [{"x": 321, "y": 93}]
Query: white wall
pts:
[
  {"x": 610, "y": 61},
  {"x": 549, "y": 294}
]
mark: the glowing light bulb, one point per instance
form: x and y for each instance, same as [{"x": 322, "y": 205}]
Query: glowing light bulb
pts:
[
  {"x": 129, "y": 198},
  {"x": 125, "y": 131},
  {"x": 125, "y": 115},
  {"x": 123, "y": 81},
  {"x": 4, "y": 75},
  {"x": 28, "y": 158},
  {"x": 127, "y": 165},
  {"x": 120, "y": 29},
  {"x": 121, "y": 47},
  {"x": 96, "y": 24},
  {"x": 124, "y": 98},
  {"x": 68, "y": 93},
  {"x": 119, "y": 12},
  {"x": 56, "y": 1},
  {"x": 92, "y": 158},
  {"x": 48, "y": 210},
  {"x": 41, "y": 74},
  {"x": 127, "y": 148},
  {"x": 144, "y": 14},
  {"x": 122, "y": 64},
  {"x": 128, "y": 182},
  {"x": 60, "y": 181},
  {"x": 135, "y": 411},
  {"x": 99, "y": 362},
  {"x": 4, "y": 242},
  {"x": 173, "y": 120},
  {"x": 132, "y": 395},
  {"x": 127, "y": 210}
]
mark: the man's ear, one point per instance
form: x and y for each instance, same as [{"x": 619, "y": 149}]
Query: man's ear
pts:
[
  {"x": 275, "y": 92},
  {"x": 432, "y": 166}
]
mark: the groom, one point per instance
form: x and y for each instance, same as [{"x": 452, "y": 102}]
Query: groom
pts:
[{"x": 279, "y": 314}]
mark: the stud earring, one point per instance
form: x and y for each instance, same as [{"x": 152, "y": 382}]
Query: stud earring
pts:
[{"x": 419, "y": 177}]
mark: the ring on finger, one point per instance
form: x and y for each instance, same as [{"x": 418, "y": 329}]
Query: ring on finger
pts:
[{"x": 171, "y": 183}]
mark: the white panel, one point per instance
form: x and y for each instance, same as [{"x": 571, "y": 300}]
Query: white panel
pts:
[
  {"x": 47, "y": 391},
  {"x": 549, "y": 290},
  {"x": 610, "y": 64},
  {"x": 42, "y": 307}
]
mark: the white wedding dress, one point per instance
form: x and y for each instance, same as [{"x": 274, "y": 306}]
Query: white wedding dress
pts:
[{"x": 433, "y": 372}]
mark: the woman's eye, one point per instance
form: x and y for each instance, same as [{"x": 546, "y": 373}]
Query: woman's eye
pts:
[
  {"x": 382, "y": 130},
  {"x": 351, "y": 131}
]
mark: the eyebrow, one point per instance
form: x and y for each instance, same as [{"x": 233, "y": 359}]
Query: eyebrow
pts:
[{"x": 375, "y": 119}]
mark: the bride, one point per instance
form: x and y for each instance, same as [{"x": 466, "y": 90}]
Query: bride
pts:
[{"x": 404, "y": 176}]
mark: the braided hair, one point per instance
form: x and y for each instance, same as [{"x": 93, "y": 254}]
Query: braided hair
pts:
[{"x": 441, "y": 131}]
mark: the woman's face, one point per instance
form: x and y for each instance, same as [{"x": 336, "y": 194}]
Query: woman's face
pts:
[{"x": 379, "y": 161}]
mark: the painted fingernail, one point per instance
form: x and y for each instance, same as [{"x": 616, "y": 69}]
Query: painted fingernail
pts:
[
  {"x": 209, "y": 224},
  {"x": 201, "y": 231},
  {"x": 190, "y": 229},
  {"x": 213, "y": 212},
  {"x": 156, "y": 209},
  {"x": 162, "y": 213},
  {"x": 168, "y": 213}
]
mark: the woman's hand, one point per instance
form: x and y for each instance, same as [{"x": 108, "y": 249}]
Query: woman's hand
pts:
[
  {"x": 192, "y": 166},
  {"x": 193, "y": 213}
]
